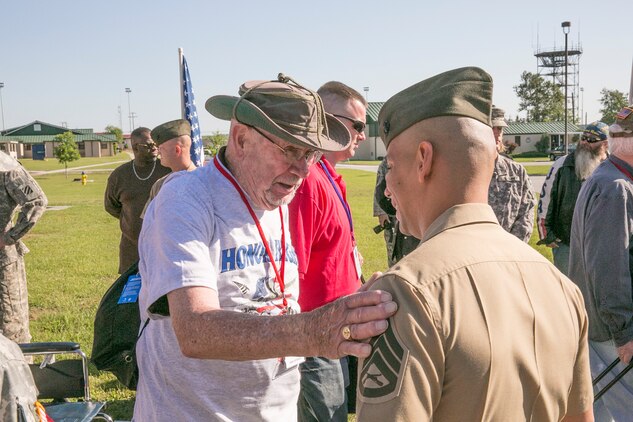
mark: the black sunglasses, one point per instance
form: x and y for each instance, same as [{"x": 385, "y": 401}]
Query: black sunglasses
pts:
[
  {"x": 356, "y": 124},
  {"x": 590, "y": 139}
]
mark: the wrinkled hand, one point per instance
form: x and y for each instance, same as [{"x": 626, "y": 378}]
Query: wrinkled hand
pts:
[
  {"x": 552, "y": 245},
  {"x": 365, "y": 313},
  {"x": 364, "y": 287},
  {"x": 382, "y": 218},
  {"x": 625, "y": 352}
]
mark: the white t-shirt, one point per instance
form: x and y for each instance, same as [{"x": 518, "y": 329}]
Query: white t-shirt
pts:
[{"x": 198, "y": 232}]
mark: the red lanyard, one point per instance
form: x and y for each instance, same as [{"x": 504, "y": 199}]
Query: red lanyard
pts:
[
  {"x": 279, "y": 275},
  {"x": 622, "y": 170}
]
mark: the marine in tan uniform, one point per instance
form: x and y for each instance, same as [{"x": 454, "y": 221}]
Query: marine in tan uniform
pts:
[
  {"x": 173, "y": 139},
  {"x": 487, "y": 329},
  {"x": 18, "y": 190}
]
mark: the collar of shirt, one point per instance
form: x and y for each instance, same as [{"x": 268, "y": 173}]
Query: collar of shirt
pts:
[{"x": 460, "y": 215}]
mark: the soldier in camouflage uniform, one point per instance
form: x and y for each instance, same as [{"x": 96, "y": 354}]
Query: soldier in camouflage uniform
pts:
[
  {"x": 17, "y": 189},
  {"x": 16, "y": 384},
  {"x": 510, "y": 194},
  {"x": 398, "y": 244}
]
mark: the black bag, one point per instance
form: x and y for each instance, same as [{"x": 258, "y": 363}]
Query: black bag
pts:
[{"x": 116, "y": 331}]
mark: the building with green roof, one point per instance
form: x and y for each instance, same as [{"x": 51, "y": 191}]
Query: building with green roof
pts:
[
  {"x": 39, "y": 137},
  {"x": 524, "y": 135}
]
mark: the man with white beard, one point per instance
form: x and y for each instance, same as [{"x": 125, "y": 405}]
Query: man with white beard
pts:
[{"x": 568, "y": 174}]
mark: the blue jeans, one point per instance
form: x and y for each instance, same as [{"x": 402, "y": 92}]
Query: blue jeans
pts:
[
  {"x": 322, "y": 396},
  {"x": 561, "y": 258}
]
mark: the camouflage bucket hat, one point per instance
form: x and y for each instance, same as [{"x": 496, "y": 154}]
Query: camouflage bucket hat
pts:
[
  {"x": 498, "y": 117},
  {"x": 284, "y": 109}
]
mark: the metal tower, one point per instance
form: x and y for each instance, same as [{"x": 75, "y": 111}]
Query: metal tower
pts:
[{"x": 551, "y": 63}]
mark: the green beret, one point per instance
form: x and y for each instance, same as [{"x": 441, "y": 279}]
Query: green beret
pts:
[
  {"x": 464, "y": 92},
  {"x": 170, "y": 130}
]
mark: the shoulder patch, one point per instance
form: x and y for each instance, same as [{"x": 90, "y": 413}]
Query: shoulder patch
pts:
[{"x": 383, "y": 371}]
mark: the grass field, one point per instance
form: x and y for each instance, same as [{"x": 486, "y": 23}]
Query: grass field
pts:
[{"x": 74, "y": 259}]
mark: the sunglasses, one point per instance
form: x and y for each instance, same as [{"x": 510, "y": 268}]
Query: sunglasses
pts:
[
  {"x": 590, "y": 139},
  {"x": 293, "y": 154},
  {"x": 147, "y": 146},
  {"x": 356, "y": 124}
]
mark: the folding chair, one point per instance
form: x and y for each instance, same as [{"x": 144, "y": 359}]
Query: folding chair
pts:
[
  {"x": 613, "y": 381},
  {"x": 60, "y": 380}
]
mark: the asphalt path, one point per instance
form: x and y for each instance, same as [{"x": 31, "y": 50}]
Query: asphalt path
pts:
[{"x": 537, "y": 181}]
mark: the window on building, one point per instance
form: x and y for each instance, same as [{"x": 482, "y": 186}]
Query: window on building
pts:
[
  {"x": 27, "y": 147},
  {"x": 81, "y": 145},
  {"x": 517, "y": 140},
  {"x": 37, "y": 127},
  {"x": 3, "y": 147},
  {"x": 104, "y": 145}
]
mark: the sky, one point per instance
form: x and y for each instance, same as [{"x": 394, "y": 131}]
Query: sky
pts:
[{"x": 69, "y": 62}]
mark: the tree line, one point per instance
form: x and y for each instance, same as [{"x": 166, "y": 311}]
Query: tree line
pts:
[{"x": 544, "y": 101}]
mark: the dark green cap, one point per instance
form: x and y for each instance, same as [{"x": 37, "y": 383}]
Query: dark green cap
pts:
[
  {"x": 464, "y": 92},
  {"x": 170, "y": 130}
]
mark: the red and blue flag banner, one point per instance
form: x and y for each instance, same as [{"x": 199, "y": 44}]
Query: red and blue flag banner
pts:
[{"x": 191, "y": 114}]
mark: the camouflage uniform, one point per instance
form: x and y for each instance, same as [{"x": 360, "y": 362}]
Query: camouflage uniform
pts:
[
  {"x": 389, "y": 233},
  {"x": 512, "y": 198},
  {"x": 17, "y": 188},
  {"x": 398, "y": 244},
  {"x": 16, "y": 384}
]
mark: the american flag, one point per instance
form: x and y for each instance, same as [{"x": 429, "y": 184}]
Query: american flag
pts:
[{"x": 191, "y": 114}]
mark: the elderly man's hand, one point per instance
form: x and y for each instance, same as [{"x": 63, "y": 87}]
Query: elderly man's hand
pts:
[
  {"x": 341, "y": 328},
  {"x": 625, "y": 352}
]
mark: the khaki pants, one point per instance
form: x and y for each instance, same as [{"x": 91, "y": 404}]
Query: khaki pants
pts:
[{"x": 14, "y": 302}]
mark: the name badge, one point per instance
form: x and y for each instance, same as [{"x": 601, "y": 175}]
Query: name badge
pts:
[
  {"x": 131, "y": 289},
  {"x": 357, "y": 264}
]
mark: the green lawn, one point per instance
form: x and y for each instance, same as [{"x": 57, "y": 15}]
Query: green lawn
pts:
[
  {"x": 53, "y": 164},
  {"x": 538, "y": 170},
  {"x": 74, "y": 259}
]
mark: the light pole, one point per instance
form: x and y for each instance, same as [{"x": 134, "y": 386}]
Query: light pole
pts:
[
  {"x": 582, "y": 104},
  {"x": 129, "y": 109},
  {"x": 565, "y": 25},
  {"x": 1, "y": 105}
]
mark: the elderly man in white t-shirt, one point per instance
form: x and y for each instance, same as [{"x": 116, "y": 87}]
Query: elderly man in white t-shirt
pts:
[{"x": 219, "y": 272}]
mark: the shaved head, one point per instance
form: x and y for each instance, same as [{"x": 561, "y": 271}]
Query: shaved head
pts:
[{"x": 438, "y": 163}]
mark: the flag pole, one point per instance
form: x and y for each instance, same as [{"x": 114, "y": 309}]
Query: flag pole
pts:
[
  {"x": 631, "y": 87},
  {"x": 182, "y": 88}
]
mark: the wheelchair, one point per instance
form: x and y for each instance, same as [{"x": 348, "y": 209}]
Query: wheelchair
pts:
[{"x": 61, "y": 379}]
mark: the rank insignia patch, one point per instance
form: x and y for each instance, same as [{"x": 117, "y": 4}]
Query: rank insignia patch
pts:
[{"x": 382, "y": 372}]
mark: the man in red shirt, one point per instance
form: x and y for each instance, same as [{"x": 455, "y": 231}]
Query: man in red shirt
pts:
[{"x": 329, "y": 263}]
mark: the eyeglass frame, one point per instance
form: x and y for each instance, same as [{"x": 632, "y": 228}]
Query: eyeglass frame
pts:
[
  {"x": 359, "y": 126},
  {"x": 151, "y": 146},
  {"x": 311, "y": 156},
  {"x": 591, "y": 140}
]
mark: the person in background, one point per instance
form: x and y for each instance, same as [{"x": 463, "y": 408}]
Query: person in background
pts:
[
  {"x": 18, "y": 192},
  {"x": 398, "y": 244},
  {"x": 510, "y": 193},
  {"x": 329, "y": 262},
  {"x": 173, "y": 140},
  {"x": 600, "y": 264},
  {"x": 127, "y": 192},
  {"x": 564, "y": 181}
]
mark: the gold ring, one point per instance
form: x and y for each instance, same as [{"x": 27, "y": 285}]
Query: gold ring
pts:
[{"x": 346, "y": 332}]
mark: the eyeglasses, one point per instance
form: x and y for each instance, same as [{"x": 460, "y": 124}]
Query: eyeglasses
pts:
[
  {"x": 147, "y": 146},
  {"x": 356, "y": 124},
  {"x": 293, "y": 154},
  {"x": 590, "y": 139}
]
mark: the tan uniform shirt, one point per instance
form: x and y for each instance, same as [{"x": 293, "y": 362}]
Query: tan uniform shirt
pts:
[{"x": 487, "y": 330}]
